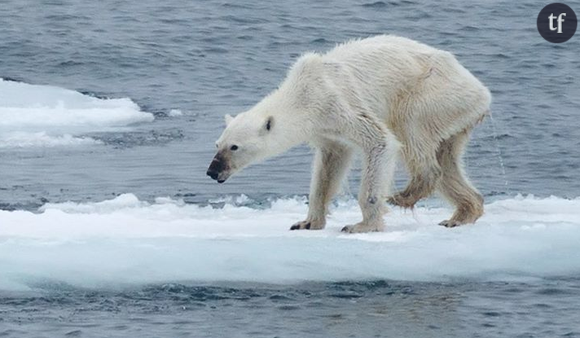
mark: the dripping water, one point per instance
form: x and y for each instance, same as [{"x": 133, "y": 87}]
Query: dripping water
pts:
[{"x": 499, "y": 153}]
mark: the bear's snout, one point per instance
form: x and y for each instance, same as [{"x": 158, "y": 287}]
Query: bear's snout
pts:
[
  {"x": 212, "y": 174},
  {"x": 216, "y": 168}
]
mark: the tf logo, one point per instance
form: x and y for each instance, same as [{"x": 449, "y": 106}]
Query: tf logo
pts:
[{"x": 557, "y": 23}]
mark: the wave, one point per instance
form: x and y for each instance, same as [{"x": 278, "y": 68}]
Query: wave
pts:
[
  {"x": 38, "y": 115},
  {"x": 42, "y": 139},
  {"x": 128, "y": 241}
]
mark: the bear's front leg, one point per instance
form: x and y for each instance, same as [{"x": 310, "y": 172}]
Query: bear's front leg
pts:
[
  {"x": 331, "y": 163},
  {"x": 379, "y": 168}
]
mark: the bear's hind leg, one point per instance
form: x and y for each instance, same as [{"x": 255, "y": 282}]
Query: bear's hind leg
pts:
[
  {"x": 331, "y": 163},
  {"x": 454, "y": 185},
  {"x": 425, "y": 172}
]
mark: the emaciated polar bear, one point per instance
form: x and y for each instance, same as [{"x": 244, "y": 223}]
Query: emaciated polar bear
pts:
[{"x": 385, "y": 95}]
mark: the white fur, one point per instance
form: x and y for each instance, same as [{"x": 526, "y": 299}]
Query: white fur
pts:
[{"x": 386, "y": 96}]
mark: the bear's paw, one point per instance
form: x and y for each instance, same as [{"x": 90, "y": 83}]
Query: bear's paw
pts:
[
  {"x": 308, "y": 225},
  {"x": 362, "y": 227}
]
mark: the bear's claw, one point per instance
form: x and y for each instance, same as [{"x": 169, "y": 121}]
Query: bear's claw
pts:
[
  {"x": 300, "y": 225},
  {"x": 450, "y": 223},
  {"x": 362, "y": 227},
  {"x": 307, "y": 225}
]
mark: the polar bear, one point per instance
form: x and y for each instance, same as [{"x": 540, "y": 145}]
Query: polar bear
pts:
[{"x": 387, "y": 96}]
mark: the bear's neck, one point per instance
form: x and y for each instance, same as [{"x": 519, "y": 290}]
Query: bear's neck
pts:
[{"x": 293, "y": 122}]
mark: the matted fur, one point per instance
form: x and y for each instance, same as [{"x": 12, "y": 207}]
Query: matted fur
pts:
[{"x": 389, "y": 97}]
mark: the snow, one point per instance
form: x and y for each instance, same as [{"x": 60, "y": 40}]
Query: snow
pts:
[
  {"x": 175, "y": 113},
  {"x": 48, "y": 116},
  {"x": 128, "y": 241}
]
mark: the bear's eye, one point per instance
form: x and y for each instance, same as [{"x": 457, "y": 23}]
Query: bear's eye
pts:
[{"x": 234, "y": 147}]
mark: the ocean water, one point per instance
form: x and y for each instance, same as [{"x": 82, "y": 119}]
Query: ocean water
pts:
[{"x": 109, "y": 226}]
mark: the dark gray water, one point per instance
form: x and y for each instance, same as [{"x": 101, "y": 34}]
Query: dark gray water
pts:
[
  {"x": 209, "y": 58},
  {"x": 370, "y": 309}
]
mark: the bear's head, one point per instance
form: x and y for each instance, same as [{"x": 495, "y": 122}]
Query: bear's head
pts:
[
  {"x": 247, "y": 139},
  {"x": 283, "y": 119}
]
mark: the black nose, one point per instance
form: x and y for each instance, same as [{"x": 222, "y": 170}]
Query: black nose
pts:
[{"x": 213, "y": 174}]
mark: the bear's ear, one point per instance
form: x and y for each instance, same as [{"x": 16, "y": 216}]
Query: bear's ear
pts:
[
  {"x": 228, "y": 119},
  {"x": 269, "y": 123}
]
